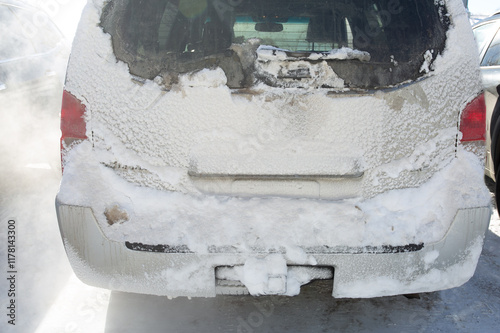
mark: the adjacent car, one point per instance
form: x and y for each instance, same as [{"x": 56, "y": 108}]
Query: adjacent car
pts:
[
  {"x": 487, "y": 34},
  {"x": 33, "y": 55},
  {"x": 250, "y": 146},
  {"x": 33, "y": 59}
]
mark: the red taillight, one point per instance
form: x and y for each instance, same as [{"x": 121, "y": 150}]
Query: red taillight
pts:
[
  {"x": 473, "y": 120},
  {"x": 73, "y": 125}
]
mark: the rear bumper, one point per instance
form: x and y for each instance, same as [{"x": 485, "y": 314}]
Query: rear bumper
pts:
[{"x": 101, "y": 262}]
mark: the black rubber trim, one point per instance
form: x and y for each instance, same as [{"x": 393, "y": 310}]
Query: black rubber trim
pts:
[
  {"x": 158, "y": 248},
  {"x": 384, "y": 249},
  {"x": 274, "y": 177}
]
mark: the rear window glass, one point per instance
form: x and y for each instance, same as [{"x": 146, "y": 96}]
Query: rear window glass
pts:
[{"x": 179, "y": 36}]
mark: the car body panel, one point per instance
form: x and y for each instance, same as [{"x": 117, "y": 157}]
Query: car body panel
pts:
[
  {"x": 178, "y": 179},
  {"x": 491, "y": 79},
  {"x": 99, "y": 261}
]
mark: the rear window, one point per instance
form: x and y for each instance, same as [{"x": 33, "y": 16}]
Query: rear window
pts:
[{"x": 169, "y": 37}]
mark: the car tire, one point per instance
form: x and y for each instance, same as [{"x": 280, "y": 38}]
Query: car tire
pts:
[{"x": 497, "y": 189}]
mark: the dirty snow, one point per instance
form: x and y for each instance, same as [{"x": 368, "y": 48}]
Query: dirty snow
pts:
[
  {"x": 276, "y": 62},
  {"x": 314, "y": 75}
]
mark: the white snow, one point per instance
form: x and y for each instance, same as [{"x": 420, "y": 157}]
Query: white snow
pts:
[
  {"x": 396, "y": 217},
  {"x": 426, "y": 66},
  {"x": 431, "y": 257},
  {"x": 153, "y": 138},
  {"x": 271, "y": 275},
  {"x": 264, "y": 276},
  {"x": 389, "y": 285},
  {"x": 344, "y": 53},
  {"x": 267, "y": 52}
]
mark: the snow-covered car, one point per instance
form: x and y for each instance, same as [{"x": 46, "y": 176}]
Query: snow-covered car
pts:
[
  {"x": 487, "y": 34},
  {"x": 249, "y": 146}
]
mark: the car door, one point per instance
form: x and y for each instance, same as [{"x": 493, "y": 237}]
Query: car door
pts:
[
  {"x": 490, "y": 66},
  {"x": 487, "y": 37}
]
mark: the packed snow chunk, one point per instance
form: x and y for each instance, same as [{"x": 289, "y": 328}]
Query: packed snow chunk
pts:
[
  {"x": 271, "y": 276},
  {"x": 267, "y": 53},
  {"x": 297, "y": 255},
  {"x": 344, "y": 53},
  {"x": 265, "y": 276},
  {"x": 271, "y": 53},
  {"x": 427, "y": 65}
]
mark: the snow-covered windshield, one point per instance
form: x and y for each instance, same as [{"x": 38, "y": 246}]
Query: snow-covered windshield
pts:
[{"x": 174, "y": 35}]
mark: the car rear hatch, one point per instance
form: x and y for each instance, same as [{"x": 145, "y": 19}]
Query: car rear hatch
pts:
[
  {"x": 220, "y": 134},
  {"x": 283, "y": 98},
  {"x": 232, "y": 139}
]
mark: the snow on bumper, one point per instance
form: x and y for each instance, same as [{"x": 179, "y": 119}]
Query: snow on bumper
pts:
[{"x": 101, "y": 262}]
